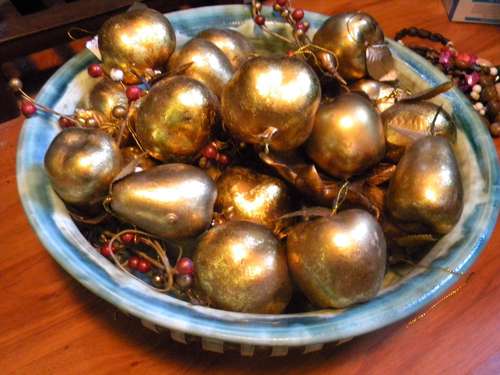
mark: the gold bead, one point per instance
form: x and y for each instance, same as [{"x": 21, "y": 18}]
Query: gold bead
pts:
[
  {"x": 15, "y": 84},
  {"x": 158, "y": 280},
  {"x": 119, "y": 111},
  {"x": 285, "y": 13},
  {"x": 299, "y": 32},
  {"x": 258, "y": 6},
  {"x": 91, "y": 122}
]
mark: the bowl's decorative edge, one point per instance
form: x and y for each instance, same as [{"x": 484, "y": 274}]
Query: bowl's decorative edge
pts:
[{"x": 309, "y": 330}]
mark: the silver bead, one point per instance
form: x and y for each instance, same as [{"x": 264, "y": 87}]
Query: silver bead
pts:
[
  {"x": 477, "y": 88},
  {"x": 116, "y": 74}
]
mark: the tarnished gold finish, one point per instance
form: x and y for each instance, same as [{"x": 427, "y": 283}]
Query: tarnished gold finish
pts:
[
  {"x": 136, "y": 42},
  {"x": 240, "y": 266},
  {"x": 104, "y": 97},
  {"x": 338, "y": 260},
  {"x": 246, "y": 195},
  {"x": 204, "y": 62},
  {"x": 272, "y": 100},
  {"x": 427, "y": 186},
  {"x": 173, "y": 201},
  {"x": 133, "y": 153},
  {"x": 382, "y": 94},
  {"x": 175, "y": 119},
  {"x": 348, "y": 136},
  {"x": 348, "y": 35},
  {"x": 234, "y": 44},
  {"x": 81, "y": 163},
  {"x": 406, "y": 122}
]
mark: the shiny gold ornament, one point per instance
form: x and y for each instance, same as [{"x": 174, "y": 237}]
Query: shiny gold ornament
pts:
[
  {"x": 81, "y": 163},
  {"x": 240, "y": 266},
  {"x": 175, "y": 119},
  {"x": 272, "y": 100},
  {"x": 203, "y": 61},
  {"x": 382, "y": 94},
  {"x": 427, "y": 186},
  {"x": 173, "y": 201},
  {"x": 348, "y": 35},
  {"x": 406, "y": 122},
  {"x": 104, "y": 97},
  {"x": 348, "y": 136},
  {"x": 136, "y": 42},
  {"x": 234, "y": 44},
  {"x": 246, "y": 195},
  {"x": 133, "y": 153},
  {"x": 338, "y": 260}
]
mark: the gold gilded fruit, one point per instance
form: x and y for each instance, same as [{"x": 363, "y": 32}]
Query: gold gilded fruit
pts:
[
  {"x": 382, "y": 94},
  {"x": 203, "y": 61},
  {"x": 347, "y": 35},
  {"x": 176, "y": 118},
  {"x": 246, "y": 195},
  {"x": 272, "y": 100},
  {"x": 135, "y": 42},
  {"x": 235, "y": 45},
  {"x": 427, "y": 187},
  {"x": 240, "y": 266},
  {"x": 173, "y": 201},
  {"x": 338, "y": 260},
  {"x": 406, "y": 122},
  {"x": 81, "y": 163},
  {"x": 348, "y": 136},
  {"x": 103, "y": 97}
]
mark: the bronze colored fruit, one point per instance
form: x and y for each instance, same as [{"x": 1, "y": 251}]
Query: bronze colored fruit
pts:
[
  {"x": 173, "y": 201},
  {"x": 338, "y": 260},
  {"x": 235, "y": 45},
  {"x": 135, "y": 42},
  {"x": 176, "y": 118},
  {"x": 81, "y": 163},
  {"x": 406, "y": 122},
  {"x": 347, "y": 35},
  {"x": 382, "y": 94},
  {"x": 243, "y": 194},
  {"x": 203, "y": 61},
  {"x": 348, "y": 136},
  {"x": 104, "y": 97},
  {"x": 240, "y": 266},
  {"x": 272, "y": 100},
  {"x": 427, "y": 186}
]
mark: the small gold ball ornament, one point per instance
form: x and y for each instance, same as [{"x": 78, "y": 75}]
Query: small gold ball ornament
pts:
[
  {"x": 135, "y": 42},
  {"x": 81, "y": 163},
  {"x": 272, "y": 100},
  {"x": 104, "y": 97},
  {"x": 240, "y": 266},
  {"x": 176, "y": 118}
]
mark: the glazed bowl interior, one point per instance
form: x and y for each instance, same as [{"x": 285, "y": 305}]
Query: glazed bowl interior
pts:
[{"x": 399, "y": 299}]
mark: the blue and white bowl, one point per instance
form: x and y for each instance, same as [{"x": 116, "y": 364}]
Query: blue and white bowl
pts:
[{"x": 219, "y": 330}]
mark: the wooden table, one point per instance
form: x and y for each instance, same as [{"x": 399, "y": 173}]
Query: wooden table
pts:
[{"x": 50, "y": 324}]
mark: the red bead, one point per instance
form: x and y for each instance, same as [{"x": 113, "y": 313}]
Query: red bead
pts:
[
  {"x": 298, "y": 14},
  {"x": 260, "y": 20},
  {"x": 223, "y": 159},
  {"x": 94, "y": 70},
  {"x": 106, "y": 249},
  {"x": 133, "y": 262},
  {"x": 185, "y": 266},
  {"x": 28, "y": 109},
  {"x": 143, "y": 266},
  {"x": 281, "y": 2},
  {"x": 127, "y": 238},
  {"x": 133, "y": 93},
  {"x": 65, "y": 122},
  {"x": 210, "y": 152},
  {"x": 290, "y": 53}
]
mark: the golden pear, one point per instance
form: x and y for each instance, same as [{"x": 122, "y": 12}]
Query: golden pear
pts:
[
  {"x": 173, "y": 201},
  {"x": 203, "y": 61},
  {"x": 240, "y": 266},
  {"x": 427, "y": 187},
  {"x": 338, "y": 260},
  {"x": 235, "y": 45},
  {"x": 243, "y": 194},
  {"x": 348, "y": 136},
  {"x": 136, "y": 42},
  {"x": 81, "y": 163},
  {"x": 103, "y": 97},
  {"x": 347, "y": 35},
  {"x": 176, "y": 118},
  {"x": 272, "y": 100}
]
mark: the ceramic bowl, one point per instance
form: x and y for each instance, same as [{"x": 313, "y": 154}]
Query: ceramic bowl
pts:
[{"x": 219, "y": 330}]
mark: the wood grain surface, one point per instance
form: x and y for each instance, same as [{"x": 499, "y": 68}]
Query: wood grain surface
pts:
[{"x": 50, "y": 324}]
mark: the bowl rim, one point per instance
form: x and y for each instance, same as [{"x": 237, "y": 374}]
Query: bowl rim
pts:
[{"x": 275, "y": 330}]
